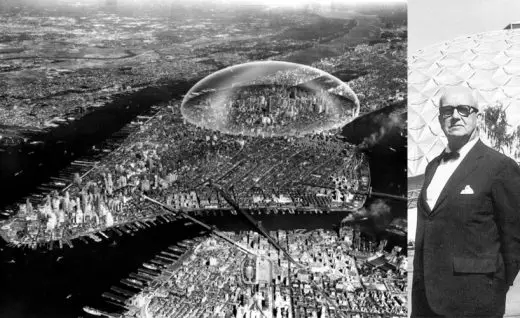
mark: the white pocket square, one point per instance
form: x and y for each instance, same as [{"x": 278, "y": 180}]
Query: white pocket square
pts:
[{"x": 467, "y": 190}]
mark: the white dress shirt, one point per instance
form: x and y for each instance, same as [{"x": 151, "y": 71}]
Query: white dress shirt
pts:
[{"x": 444, "y": 172}]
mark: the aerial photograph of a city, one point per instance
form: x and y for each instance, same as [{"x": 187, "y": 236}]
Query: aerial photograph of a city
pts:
[{"x": 225, "y": 158}]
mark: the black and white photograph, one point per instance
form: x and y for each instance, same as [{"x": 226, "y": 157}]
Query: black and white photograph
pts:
[
  {"x": 463, "y": 158},
  {"x": 197, "y": 158}
]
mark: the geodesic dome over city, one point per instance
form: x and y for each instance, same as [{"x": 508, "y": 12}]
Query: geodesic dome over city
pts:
[
  {"x": 488, "y": 63},
  {"x": 270, "y": 98}
]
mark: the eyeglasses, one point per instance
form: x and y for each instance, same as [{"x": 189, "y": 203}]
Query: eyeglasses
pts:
[{"x": 463, "y": 110}]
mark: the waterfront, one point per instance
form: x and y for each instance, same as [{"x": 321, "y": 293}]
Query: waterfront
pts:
[
  {"x": 89, "y": 72},
  {"x": 59, "y": 283}
]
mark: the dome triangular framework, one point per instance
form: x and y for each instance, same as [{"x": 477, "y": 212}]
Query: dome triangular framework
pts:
[{"x": 488, "y": 62}]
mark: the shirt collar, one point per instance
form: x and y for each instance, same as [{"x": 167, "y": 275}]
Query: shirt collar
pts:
[{"x": 463, "y": 151}]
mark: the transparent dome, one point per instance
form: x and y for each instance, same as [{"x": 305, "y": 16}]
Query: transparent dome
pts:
[
  {"x": 489, "y": 64},
  {"x": 270, "y": 98}
]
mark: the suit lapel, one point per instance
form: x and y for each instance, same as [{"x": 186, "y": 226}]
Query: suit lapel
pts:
[
  {"x": 466, "y": 167},
  {"x": 427, "y": 180}
]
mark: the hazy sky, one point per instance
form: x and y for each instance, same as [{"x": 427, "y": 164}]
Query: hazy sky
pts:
[
  {"x": 264, "y": 2},
  {"x": 297, "y": 3},
  {"x": 433, "y": 21}
]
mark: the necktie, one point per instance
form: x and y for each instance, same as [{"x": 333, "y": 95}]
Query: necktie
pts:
[{"x": 447, "y": 156}]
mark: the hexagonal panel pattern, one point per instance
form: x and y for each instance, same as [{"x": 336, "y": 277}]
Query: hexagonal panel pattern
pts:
[{"x": 487, "y": 62}]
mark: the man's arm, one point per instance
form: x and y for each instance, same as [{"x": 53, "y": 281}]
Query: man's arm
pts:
[{"x": 506, "y": 200}]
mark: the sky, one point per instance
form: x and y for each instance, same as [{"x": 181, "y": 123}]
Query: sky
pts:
[
  {"x": 300, "y": 3},
  {"x": 263, "y": 2},
  {"x": 295, "y": 2},
  {"x": 434, "y": 21}
]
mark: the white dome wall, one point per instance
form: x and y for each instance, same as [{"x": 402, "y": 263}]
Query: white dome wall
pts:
[{"x": 487, "y": 62}]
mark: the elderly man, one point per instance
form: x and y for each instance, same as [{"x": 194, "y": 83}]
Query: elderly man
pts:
[{"x": 468, "y": 221}]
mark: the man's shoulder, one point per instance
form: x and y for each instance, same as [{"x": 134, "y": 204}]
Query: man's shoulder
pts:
[
  {"x": 495, "y": 157},
  {"x": 490, "y": 152}
]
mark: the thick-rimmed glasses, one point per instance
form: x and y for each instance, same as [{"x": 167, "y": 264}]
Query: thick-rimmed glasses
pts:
[{"x": 463, "y": 110}]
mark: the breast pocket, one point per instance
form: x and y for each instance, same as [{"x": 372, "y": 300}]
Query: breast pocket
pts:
[{"x": 467, "y": 206}]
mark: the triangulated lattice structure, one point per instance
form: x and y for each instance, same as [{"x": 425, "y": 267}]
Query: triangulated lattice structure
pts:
[{"x": 487, "y": 62}]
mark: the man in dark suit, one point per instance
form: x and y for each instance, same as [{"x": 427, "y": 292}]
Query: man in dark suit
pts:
[{"x": 468, "y": 221}]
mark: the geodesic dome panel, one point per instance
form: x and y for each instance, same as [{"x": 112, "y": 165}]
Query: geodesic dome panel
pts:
[{"x": 488, "y": 63}]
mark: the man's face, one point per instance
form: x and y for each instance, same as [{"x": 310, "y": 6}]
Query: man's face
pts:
[{"x": 458, "y": 125}]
